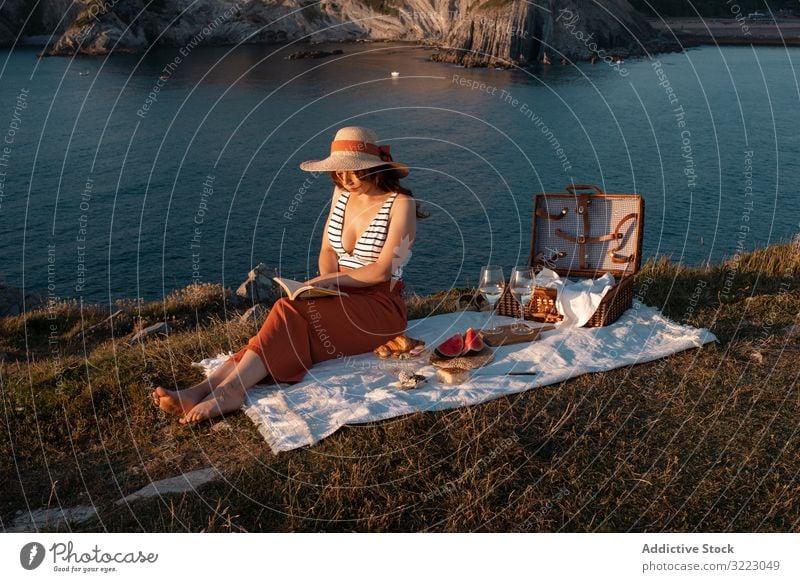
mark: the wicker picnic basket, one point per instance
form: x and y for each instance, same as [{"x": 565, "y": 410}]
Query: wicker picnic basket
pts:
[{"x": 564, "y": 238}]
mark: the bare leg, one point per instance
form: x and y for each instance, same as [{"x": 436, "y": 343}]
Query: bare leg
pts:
[
  {"x": 180, "y": 402},
  {"x": 229, "y": 395}
]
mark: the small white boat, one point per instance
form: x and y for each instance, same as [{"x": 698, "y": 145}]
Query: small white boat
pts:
[{"x": 395, "y": 74}]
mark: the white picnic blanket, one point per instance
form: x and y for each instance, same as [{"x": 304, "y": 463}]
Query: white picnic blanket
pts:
[{"x": 358, "y": 389}]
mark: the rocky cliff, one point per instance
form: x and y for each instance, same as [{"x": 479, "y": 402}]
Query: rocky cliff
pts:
[
  {"x": 468, "y": 32},
  {"x": 29, "y": 18},
  {"x": 12, "y": 17},
  {"x": 520, "y": 32}
]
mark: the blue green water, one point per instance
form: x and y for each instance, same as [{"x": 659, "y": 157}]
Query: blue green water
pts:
[{"x": 111, "y": 196}]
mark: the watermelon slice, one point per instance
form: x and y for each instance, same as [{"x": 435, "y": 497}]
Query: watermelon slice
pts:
[
  {"x": 451, "y": 347},
  {"x": 473, "y": 342}
]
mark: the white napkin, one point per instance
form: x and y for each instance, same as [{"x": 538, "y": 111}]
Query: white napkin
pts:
[{"x": 577, "y": 300}]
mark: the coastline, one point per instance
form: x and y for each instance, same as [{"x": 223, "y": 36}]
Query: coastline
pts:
[
  {"x": 730, "y": 31},
  {"x": 689, "y": 32},
  {"x": 43, "y": 47}
]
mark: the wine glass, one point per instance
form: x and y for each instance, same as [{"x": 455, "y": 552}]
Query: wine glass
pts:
[
  {"x": 491, "y": 285},
  {"x": 523, "y": 282}
]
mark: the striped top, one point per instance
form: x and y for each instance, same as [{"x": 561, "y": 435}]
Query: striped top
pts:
[{"x": 369, "y": 245}]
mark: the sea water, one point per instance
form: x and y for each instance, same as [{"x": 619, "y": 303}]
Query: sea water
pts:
[{"x": 133, "y": 175}]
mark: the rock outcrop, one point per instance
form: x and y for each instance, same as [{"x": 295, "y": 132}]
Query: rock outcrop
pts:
[
  {"x": 12, "y": 19},
  {"x": 25, "y": 19},
  {"x": 160, "y": 328},
  {"x": 467, "y": 32},
  {"x": 14, "y": 300},
  {"x": 259, "y": 286},
  {"x": 516, "y": 32}
]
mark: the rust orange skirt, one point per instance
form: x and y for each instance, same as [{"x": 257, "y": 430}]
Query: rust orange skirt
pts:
[{"x": 299, "y": 333}]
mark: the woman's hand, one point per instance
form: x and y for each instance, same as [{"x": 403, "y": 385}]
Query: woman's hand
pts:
[{"x": 325, "y": 281}]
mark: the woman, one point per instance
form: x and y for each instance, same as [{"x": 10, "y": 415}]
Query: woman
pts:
[{"x": 367, "y": 200}]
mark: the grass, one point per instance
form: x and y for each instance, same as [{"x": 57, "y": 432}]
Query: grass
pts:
[{"x": 704, "y": 440}]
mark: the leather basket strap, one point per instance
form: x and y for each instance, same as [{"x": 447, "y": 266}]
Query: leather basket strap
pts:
[
  {"x": 583, "y": 210},
  {"x": 582, "y": 240},
  {"x": 542, "y": 213},
  {"x": 616, "y": 258},
  {"x": 573, "y": 188},
  {"x": 620, "y": 259}
]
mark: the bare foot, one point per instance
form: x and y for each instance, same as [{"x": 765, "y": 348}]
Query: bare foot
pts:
[
  {"x": 215, "y": 404},
  {"x": 176, "y": 402}
]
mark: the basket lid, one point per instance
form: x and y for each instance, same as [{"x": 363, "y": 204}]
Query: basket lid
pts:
[{"x": 586, "y": 232}]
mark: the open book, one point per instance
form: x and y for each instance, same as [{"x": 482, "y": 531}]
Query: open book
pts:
[{"x": 297, "y": 290}]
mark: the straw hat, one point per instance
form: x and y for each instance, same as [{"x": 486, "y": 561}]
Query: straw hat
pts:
[{"x": 354, "y": 148}]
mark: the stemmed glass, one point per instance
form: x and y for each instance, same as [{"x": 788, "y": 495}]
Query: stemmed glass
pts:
[
  {"x": 491, "y": 285},
  {"x": 523, "y": 282}
]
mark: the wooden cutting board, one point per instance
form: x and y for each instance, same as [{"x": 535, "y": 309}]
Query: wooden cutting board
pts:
[{"x": 508, "y": 337}]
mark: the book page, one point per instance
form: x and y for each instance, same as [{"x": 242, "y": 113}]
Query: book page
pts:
[
  {"x": 297, "y": 290},
  {"x": 289, "y": 285}
]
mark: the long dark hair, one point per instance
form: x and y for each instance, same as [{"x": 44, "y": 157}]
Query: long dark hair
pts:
[{"x": 385, "y": 177}]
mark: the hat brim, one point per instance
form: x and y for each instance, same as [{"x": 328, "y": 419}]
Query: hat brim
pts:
[{"x": 332, "y": 164}]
